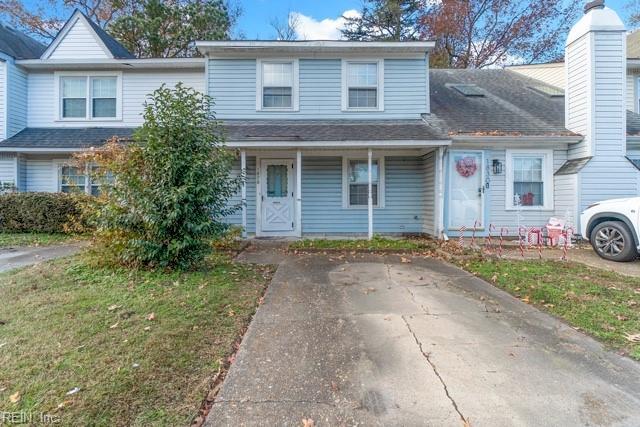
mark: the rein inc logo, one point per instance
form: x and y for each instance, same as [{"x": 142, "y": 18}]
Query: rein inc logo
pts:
[{"x": 20, "y": 417}]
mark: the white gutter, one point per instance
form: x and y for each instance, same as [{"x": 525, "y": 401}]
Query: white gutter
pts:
[
  {"x": 125, "y": 64},
  {"x": 338, "y": 144},
  {"x": 260, "y": 44},
  {"x": 507, "y": 139}
]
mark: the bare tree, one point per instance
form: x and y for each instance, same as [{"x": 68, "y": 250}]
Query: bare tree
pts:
[
  {"x": 485, "y": 33},
  {"x": 286, "y": 29}
]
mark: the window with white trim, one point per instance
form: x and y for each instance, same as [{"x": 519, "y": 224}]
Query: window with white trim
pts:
[
  {"x": 356, "y": 182},
  {"x": 362, "y": 85},
  {"x": 277, "y": 85},
  {"x": 89, "y": 97},
  {"x": 529, "y": 179},
  {"x": 72, "y": 179}
]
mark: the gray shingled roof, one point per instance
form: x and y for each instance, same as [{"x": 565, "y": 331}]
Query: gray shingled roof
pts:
[
  {"x": 513, "y": 105},
  {"x": 64, "y": 137},
  {"x": 509, "y": 107},
  {"x": 19, "y": 45},
  {"x": 117, "y": 50},
  {"x": 332, "y": 130}
]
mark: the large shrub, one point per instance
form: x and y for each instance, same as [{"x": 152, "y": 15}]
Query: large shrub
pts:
[
  {"x": 38, "y": 212},
  {"x": 167, "y": 192}
]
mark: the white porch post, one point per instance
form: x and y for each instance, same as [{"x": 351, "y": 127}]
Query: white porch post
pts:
[
  {"x": 370, "y": 198},
  {"x": 243, "y": 169},
  {"x": 299, "y": 193},
  {"x": 439, "y": 211}
]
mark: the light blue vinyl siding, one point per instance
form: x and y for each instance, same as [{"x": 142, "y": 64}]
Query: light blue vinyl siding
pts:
[
  {"x": 322, "y": 210},
  {"x": 16, "y": 99},
  {"x": 232, "y": 84}
]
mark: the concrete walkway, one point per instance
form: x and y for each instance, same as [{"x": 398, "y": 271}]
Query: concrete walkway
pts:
[
  {"x": 11, "y": 258},
  {"x": 376, "y": 340}
]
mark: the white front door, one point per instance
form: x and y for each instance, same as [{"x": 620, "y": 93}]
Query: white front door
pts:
[
  {"x": 466, "y": 189},
  {"x": 277, "y": 189}
]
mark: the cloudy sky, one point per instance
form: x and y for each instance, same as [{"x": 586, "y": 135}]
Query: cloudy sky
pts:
[{"x": 319, "y": 19}]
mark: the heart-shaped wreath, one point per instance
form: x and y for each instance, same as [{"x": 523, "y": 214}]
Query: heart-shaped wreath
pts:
[{"x": 466, "y": 166}]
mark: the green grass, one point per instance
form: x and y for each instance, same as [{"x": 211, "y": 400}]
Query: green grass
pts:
[
  {"x": 377, "y": 243},
  {"x": 604, "y": 304},
  {"x": 34, "y": 239},
  {"x": 71, "y": 323}
]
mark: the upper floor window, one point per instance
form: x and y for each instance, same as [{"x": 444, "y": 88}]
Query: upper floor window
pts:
[
  {"x": 362, "y": 85},
  {"x": 89, "y": 97},
  {"x": 277, "y": 85}
]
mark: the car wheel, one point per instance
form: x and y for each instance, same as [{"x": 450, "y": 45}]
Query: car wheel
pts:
[{"x": 612, "y": 240}]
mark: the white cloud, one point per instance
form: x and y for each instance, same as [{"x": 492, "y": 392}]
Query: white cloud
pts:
[{"x": 308, "y": 28}]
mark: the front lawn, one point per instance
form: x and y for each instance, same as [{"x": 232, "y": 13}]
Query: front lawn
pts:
[
  {"x": 34, "y": 239},
  {"x": 601, "y": 303},
  {"x": 108, "y": 346},
  {"x": 378, "y": 243}
]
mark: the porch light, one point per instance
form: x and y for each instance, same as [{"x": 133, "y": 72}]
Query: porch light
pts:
[{"x": 496, "y": 167}]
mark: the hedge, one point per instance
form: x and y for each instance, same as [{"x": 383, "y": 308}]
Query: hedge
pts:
[{"x": 38, "y": 212}]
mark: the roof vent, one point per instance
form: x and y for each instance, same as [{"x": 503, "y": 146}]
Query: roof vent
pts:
[
  {"x": 470, "y": 90},
  {"x": 550, "y": 91},
  {"x": 595, "y": 4}
]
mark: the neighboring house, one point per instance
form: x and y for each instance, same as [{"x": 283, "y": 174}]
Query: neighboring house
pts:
[{"x": 354, "y": 137}]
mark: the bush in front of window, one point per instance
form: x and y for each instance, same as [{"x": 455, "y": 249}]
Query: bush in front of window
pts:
[
  {"x": 39, "y": 212},
  {"x": 165, "y": 194}
]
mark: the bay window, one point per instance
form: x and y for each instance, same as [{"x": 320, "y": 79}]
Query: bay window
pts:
[{"x": 529, "y": 179}]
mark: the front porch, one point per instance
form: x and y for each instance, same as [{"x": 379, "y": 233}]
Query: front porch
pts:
[{"x": 351, "y": 191}]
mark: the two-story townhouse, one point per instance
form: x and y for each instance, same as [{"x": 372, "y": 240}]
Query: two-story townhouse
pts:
[
  {"x": 356, "y": 137},
  {"x": 78, "y": 92}
]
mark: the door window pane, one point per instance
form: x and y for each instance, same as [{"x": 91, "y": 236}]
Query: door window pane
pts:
[
  {"x": 528, "y": 182},
  {"x": 359, "y": 182},
  {"x": 74, "y": 97},
  {"x": 277, "y": 177}
]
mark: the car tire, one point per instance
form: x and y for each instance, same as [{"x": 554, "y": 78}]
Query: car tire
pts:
[{"x": 612, "y": 240}]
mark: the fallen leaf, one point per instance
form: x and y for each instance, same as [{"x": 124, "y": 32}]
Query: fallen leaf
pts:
[
  {"x": 526, "y": 299},
  {"x": 308, "y": 422},
  {"x": 15, "y": 397},
  {"x": 232, "y": 313},
  {"x": 151, "y": 316},
  {"x": 147, "y": 328},
  {"x": 115, "y": 325},
  {"x": 405, "y": 260},
  {"x": 622, "y": 317},
  {"x": 494, "y": 278},
  {"x": 632, "y": 337},
  {"x": 135, "y": 365},
  {"x": 113, "y": 307}
]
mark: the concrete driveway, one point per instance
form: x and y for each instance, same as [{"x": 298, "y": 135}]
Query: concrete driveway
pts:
[{"x": 372, "y": 340}]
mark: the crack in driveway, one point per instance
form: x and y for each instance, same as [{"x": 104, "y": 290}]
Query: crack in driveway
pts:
[{"x": 435, "y": 371}]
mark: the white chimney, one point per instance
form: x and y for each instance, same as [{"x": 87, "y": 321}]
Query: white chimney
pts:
[
  {"x": 596, "y": 69},
  {"x": 595, "y": 61}
]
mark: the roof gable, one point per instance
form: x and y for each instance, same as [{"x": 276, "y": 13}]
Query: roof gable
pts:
[{"x": 81, "y": 37}]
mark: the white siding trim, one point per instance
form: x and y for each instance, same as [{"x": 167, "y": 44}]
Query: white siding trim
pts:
[
  {"x": 547, "y": 165},
  {"x": 295, "y": 88}
]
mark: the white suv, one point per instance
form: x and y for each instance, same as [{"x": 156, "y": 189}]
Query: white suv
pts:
[{"x": 612, "y": 228}]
